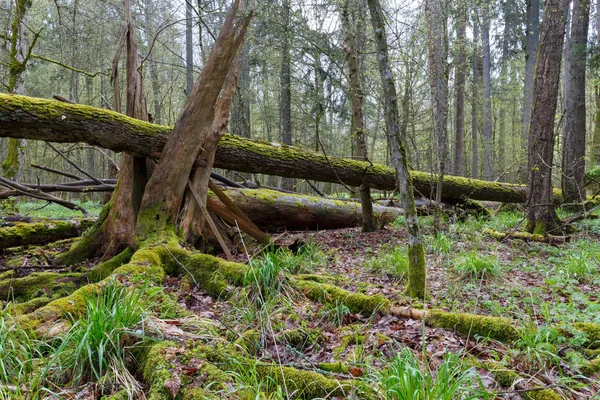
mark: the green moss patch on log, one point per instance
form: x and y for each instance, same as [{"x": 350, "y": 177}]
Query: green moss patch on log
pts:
[
  {"x": 38, "y": 284},
  {"x": 300, "y": 338},
  {"x": 104, "y": 269},
  {"x": 497, "y": 328},
  {"x": 592, "y": 332},
  {"x": 356, "y": 302},
  {"x": 23, "y": 234}
]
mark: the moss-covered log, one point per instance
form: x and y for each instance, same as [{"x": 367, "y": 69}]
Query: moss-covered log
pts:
[
  {"x": 271, "y": 210},
  {"x": 526, "y": 236},
  {"x": 23, "y": 234},
  {"x": 49, "y": 120}
]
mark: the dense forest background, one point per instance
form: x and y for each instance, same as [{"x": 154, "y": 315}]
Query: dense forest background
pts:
[{"x": 484, "y": 46}]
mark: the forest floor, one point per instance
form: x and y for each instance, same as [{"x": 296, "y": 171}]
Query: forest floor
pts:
[{"x": 544, "y": 289}]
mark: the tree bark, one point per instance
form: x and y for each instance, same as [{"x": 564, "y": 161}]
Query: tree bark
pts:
[
  {"x": 475, "y": 100},
  {"x": 416, "y": 253},
  {"x": 541, "y": 215},
  {"x": 488, "y": 158},
  {"x": 275, "y": 211},
  {"x": 285, "y": 105},
  {"x": 532, "y": 35},
  {"x": 573, "y": 160},
  {"x": 460, "y": 74},
  {"x": 357, "y": 123},
  {"x": 31, "y": 118}
]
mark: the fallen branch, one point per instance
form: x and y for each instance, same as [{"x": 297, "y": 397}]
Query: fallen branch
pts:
[{"x": 527, "y": 237}]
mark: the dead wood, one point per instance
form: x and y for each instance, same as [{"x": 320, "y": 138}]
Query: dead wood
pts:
[{"x": 527, "y": 237}]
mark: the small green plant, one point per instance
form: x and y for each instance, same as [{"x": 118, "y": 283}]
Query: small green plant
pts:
[
  {"x": 265, "y": 279},
  {"x": 336, "y": 312},
  {"x": 393, "y": 262},
  {"x": 250, "y": 384},
  {"x": 473, "y": 265},
  {"x": 20, "y": 359},
  {"x": 441, "y": 243},
  {"x": 538, "y": 345},
  {"x": 98, "y": 343},
  {"x": 403, "y": 378},
  {"x": 581, "y": 262}
]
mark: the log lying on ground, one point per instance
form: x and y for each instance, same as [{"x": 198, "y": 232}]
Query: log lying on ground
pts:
[
  {"x": 41, "y": 233},
  {"x": 527, "y": 237},
  {"x": 49, "y": 120},
  {"x": 271, "y": 210}
]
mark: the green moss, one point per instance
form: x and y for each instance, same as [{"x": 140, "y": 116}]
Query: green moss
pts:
[
  {"x": 543, "y": 394},
  {"x": 29, "y": 306},
  {"x": 591, "y": 367},
  {"x": 417, "y": 271},
  {"x": 357, "y": 303},
  {"x": 469, "y": 324},
  {"x": 102, "y": 270},
  {"x": 10, "y": 166},
  {"x": 7, "y": 274},
  {"x": 592, "y": 331},
  {"x": 156, "y": 368},
  {"x": 214, "y": 274},
  {"x": 250, "y": 342},
  {"x": 39, "y": 284},
  {"x": 591, "y": 353},
  {"x": 334, "y": 367},
  {"x": 347, "y": 340},
  {"x": 41, "y": 233},
  {"x": 306, "y": 384},
  {"x": 300, "y": 338}
]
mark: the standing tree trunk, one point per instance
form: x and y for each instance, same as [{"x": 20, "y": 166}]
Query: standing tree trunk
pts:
[
  {"x": 532, "y": 35},
  {"x": 460, "y": 74},
  {"x": 595, "y": 151},
  {"x": 285, "y": 106},
  {"x": 189, "y": 49},
  {"x": 475, "y": 100},
  {"x": 439, "y": 93},
  {"x": 488, "y": 158},
  {"x": 18, "y": 58},
  {"x": 504, "y": 58},
  {"x": 541, "y": 215},
  {"x": 573, "y": 161},
  {"x": 357, "y": 123},
  {"x": 416, "y": 253}
]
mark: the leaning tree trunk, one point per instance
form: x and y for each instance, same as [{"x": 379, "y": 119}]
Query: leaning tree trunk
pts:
[
  {"x": 532, "y": 37},
  {"x": 541, "y": 215},
  {"x": 416, "y": 253},
  {"x": 357, "y": 123},
  {"x": 573, "y": 160}
]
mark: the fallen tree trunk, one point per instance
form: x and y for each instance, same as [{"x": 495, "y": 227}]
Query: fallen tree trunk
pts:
[
  {"x": 41, "y": 233},
  {"x": 49, "y": 120},
  {"x": 272, "y": 211}
]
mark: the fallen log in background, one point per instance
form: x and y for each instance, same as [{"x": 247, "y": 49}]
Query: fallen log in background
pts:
[
  {"x": 23, "y": 234},
  {"x": 271, "y": 210},
  {"x": 49, "y": 120}
]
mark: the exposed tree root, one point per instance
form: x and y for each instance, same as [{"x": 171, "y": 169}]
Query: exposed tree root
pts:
[{"x": 526, "y": 236}]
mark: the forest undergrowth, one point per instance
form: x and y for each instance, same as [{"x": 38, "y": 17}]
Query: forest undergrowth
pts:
[{"x": 268, "y": 336}]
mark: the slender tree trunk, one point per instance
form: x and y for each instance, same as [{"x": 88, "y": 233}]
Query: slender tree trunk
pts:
[
  {"x": 595, "y": 150},
  {"x": 357, "y": 123},
  {"x": 439, "y": 93},
  {"x": 488, "y": 158},
  {"x": 532, "y": 35},
  {"x": 189, "y": 48},
  {"x": 18, "y": 62},
  {"x": 475, "y": 101},
  {"x": 460, "y": 73},
  {"x": 501, "y": 134},
  {"x": 573, "y": 161},
  {"x": 416, "y": 253},
  {"x": 541, "y": 215},
  {"x": 285, "y": 107}
]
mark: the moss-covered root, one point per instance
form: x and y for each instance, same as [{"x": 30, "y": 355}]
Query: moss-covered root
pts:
[
  {"x": 104, "y": 269},
  {"x": 159, "y": 366},
  {"x": 38, "y": 284},
  {"x": 146, "y": 266},
  {"x": 526, "y": 236},
  {"x": 213, "y": 274},
  {"x": 497, "y": 328},
  {"x": 306, "y": 384},
  {"x": 356, "y": 302},
  {"x": 41, "y": 233}
]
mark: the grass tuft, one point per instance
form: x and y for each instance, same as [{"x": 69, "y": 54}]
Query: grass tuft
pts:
[{"x": 473, "y": 265}]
